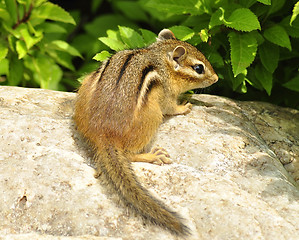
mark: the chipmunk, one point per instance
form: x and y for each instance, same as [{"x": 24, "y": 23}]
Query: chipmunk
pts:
[{"x": 120, "y": 106}]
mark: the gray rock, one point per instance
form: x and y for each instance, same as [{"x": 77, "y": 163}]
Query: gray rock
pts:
[{"x": 227, "y": 178}]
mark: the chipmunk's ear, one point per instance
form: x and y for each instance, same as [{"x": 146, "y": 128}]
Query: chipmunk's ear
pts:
[
  {"x": 165, "y": 34},
  {"x": 178, "y": 53},
  {"x": 176, "y": 57}
]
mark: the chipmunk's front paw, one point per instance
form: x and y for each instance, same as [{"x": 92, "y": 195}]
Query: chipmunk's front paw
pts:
[{"x": 183, "y": 109}]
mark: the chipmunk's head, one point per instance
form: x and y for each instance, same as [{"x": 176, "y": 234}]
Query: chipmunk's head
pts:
[{"x": 188, "y": 66}]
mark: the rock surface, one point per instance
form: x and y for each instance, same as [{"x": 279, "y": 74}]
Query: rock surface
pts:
[{"x": 227, "y": 177}]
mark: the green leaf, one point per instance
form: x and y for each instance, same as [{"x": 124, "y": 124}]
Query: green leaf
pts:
[
  {"x": 264, "y": 77},
  {"x": 193, "y": 7},
  {"x": 21, "y": 49},
  {"x": 198, "y": 21},
  {"x": 4, "y": 66},
  {"x": 293, "y": 84},
  {"x": 217, "y": 18},
  {"x": 148, "y": 36},
  {"x": 131, "y": 38},
  {"x": 275, "y": 6},
  {"x": 243, "y": 51},
  {"x": 242, "y": 87},
  {"x": 11, "y": 7},
  {"x": 251, "y": 79},
  {"x": 247, "y": 3},
  {"x": 204, "y": 35},
  {"x": 216, "y": 59},
  {"x": 295, "y": 12},
  {"x": 32, "y": 30},
  {"x": 27, "y": 3},
  {"x": 62, "y": 58},
  {"x": 11, "y": 30},
  {"x": 3, "y": 50},
  {"x": 93, "y": 46},
  {"x": 199, "y": 38},
  {"x": 266, "y": 2},
  {"x": 49, "y": 27},
  {"x": 29, "y": 40},
  {"x": 52, "y": 11},
  {"x": 23, "y": 1},
  {"x": 37, "y": 3},
  {"x": 4, "y": 15},
  {"x": 278, "y": 36},
  {"x": 12, "y": 43},
  {"x": 239, "y": 80},
  {"x": 269, "y": 55},
  {"x": 292, "y": 31},
  {"x": 115, "y": 45},
  {"x": 183, "y": 33},
  {"x": 47, "y": 73},
  {"x": 243, "y": 19},
  {"x": 114, "y": 34},
  {"x": 259, "y": 38},
  {"x": 64, "y": 46},
  {"x": 102, "y": 56},
  {"x": 16, "y": 70}
]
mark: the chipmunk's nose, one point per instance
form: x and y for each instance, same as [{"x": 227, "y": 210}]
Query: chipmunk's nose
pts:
[{"x": 214, "y": 78}]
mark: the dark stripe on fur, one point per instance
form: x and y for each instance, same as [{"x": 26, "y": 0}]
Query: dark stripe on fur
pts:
[
  {"x": 122, "y": 71},
  {"x": 103, "y": 71},
  {"x": 145, "y": 71}
]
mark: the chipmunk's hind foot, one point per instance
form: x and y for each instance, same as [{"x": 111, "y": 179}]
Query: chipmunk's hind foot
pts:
[{"x": 157, "y": 156}]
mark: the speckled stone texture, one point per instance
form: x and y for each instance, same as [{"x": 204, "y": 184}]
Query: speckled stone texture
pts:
[{"x": 234, "y": 175}]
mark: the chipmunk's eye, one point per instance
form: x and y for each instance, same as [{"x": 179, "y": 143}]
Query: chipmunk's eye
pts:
[{"x": 199, "y": 68}]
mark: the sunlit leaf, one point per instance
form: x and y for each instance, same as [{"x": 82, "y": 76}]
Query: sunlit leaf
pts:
[
  {"x": 278, "y": 35},
  {"x": 131, "y": 38},
  {"x": 182, "y": 32},
  {"x": 21, "y": 49},
  {"x": 148, "y": 36},
  {"x": 11, "y": 7},
  {"x": 243, "y": 19},
  {"x": 64, "y": 46},
  {"x": 112, "y": 43},
  {"x": 102, "y": 56},
  {"x": 295, "y": 12},
  {"x": 243, "y": 51},
  {"x": 52, "y": 11}
]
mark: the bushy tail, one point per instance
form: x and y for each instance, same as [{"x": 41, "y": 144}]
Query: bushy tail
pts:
[{"x": 116, "y": 168}]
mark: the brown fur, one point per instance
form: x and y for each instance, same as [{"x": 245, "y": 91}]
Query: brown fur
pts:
[{"x": 120, "y": 106}]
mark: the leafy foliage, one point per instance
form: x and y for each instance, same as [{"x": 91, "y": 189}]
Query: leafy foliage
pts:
[
  {"x": 32, "y": 49},
  {"x": 252, "y": 44}
]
